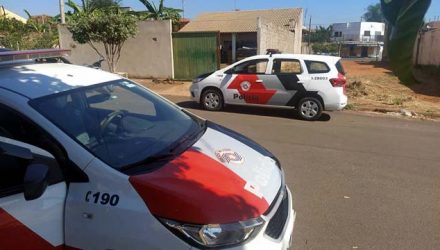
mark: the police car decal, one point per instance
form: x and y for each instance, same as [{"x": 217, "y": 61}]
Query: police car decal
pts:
[{"x": 198, "y": 187}]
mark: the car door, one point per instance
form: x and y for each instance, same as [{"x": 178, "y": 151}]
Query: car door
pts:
[
  {"x": 246, "y": 83},
  {"x": 287, "y": 77},
  {"x": 32, "y": 197}
]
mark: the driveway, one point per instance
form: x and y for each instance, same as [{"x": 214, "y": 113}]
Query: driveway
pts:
[{"x": 359, "y": 181}]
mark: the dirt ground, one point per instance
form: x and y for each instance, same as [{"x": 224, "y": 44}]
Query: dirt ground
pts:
[{"x": 371, "y": 87}]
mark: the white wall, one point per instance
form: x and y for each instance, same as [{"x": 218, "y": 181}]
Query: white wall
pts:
[
  {"x": 355, "y": 31},
  {"x": 149, "y": 54}
]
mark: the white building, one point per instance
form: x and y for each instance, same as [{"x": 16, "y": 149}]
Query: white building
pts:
[{"x": 360, "y": 39}]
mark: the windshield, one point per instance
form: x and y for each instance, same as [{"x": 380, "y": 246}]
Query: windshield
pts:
[{"x": 119, "y": 122}]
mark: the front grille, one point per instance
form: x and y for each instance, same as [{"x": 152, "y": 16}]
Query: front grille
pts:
[{"x": 278, "y": 221}]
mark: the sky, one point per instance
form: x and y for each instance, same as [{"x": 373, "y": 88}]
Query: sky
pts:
[{"x": 323, "y": 12}]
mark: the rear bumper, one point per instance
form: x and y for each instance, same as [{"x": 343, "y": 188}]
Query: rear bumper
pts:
[{"x": 339, "y": 104}]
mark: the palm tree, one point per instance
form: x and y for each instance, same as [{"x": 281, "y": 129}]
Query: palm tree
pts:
[
  {"x": 160, "y": 12},
  {"x": 90, "y": 5}
]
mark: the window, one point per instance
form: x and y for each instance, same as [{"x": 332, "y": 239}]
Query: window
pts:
[
  {"x": 338, "y": 34},
  {"x": 315, "y": 67},
  {"x": 367, "y": 33},
  {"x": 251, "y": 67},
  {"x": 12, "y": 171},
  {"x": 15, "y": 127},
  {"x": 286, "y": 66},
  {"x": 340, "y": 68},
  {"x": 119, "y": 122}
]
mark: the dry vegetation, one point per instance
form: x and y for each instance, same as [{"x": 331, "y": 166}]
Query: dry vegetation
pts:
[{"x": 373, "y": 87}]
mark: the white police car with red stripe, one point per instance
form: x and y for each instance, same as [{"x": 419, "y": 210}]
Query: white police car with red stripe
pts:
[
  {"x": 90, "y": 160},
  {"x": 308, "y": 83}
]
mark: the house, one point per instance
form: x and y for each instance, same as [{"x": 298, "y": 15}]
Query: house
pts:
[
  {"x": 9, "y": 14},
  {"x": 359, "y": 39},
  {"x": 247, "y": 33}
]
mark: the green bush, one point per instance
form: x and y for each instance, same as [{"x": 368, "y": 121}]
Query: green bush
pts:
[{"x": 31, "y": 35}]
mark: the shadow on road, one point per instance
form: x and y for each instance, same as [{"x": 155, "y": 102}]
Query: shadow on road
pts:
[{"x": 260, "y": 111}]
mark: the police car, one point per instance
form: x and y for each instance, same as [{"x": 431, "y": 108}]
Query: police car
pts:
[
  {"x": 90, "y": 160},
  {"x": 309, "y": 83}
]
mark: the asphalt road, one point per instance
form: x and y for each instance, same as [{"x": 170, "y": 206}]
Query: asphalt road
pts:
[{"x": 359, "y": 181}]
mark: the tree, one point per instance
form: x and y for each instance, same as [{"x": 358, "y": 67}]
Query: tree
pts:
[
  {"x": 161, "y": 12},
  {"x": 111, "y": 28},
  {"x": 374, "y": 14},
  {"x": 90, "y": 5},
  {"x": 31, "y": 35},
  {"x": 320, "y": 35},
  {"x": 404, "y": 19}
]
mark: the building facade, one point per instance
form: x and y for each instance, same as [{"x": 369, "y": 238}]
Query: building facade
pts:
[
  {"x": 248, "y": 33},
  {"x": 360, "y": 39}
]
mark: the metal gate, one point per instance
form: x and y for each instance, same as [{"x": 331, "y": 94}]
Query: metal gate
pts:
[{"x": 195, "y": 53}]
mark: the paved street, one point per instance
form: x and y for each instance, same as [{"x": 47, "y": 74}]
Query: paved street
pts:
[{"x": 359, "y": 181}]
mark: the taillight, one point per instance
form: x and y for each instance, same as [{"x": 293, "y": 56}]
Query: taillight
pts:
[{"x": 341, "y": 81}]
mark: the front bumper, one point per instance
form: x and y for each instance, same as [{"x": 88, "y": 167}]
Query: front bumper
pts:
[
  {"x": 263, "y": 241},
  {"x": 195, "y": 93}
]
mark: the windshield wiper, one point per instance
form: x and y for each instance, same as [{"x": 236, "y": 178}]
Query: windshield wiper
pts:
[
  {"x": 149, "y": 160},
  {"x": 169, "y": 153}
]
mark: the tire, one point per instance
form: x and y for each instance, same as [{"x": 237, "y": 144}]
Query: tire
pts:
[
  {"x": 212, "y": 100},
  {"x": 309, "y": 109}
]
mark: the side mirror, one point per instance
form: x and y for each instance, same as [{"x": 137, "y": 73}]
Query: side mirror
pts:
[{"x": 36, "y": 180}]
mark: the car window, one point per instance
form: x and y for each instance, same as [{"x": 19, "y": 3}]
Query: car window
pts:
[
  {"x": 119, "y": 122},
  {"x": 251, "y": 67},
  {"x": 286, "y": 66},
  {"x": 14, "y": 126},
  {"x": 315, "y": 67},
  {"x": 12, "y": 172},
  {"x": 340, "y": 68}
]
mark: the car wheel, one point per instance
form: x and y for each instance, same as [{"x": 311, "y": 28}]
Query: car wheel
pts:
[
  {"x": 212, "y": 100},
  {"x": 309, "y": 109}
]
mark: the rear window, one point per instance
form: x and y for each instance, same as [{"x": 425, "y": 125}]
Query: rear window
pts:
[
  {"x": 315, "y": 67},
  {"x": 340, "y": 68}
]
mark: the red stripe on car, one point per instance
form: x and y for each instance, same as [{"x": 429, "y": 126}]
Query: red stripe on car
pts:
[
  {"x": 250, "y": 90},
  {"x": 15, "y": 235},
  {"x": 197, "y": 189}
]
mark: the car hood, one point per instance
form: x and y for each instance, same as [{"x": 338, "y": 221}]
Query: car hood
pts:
[{"x": 223, "y": 178}]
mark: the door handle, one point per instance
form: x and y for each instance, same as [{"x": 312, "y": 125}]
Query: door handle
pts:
[
  {"x": 301, "y": 82},
  {"x": 259, "y": 81}
]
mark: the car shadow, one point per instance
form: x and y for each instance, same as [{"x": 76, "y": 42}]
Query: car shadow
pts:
[{"x": 251, "y": 110}]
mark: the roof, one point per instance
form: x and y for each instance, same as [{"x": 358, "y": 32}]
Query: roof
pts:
[
  {"x": 38, "y": 80},
  {"x": 10, "y": 14},
  {"x": 241, "y": 21}
]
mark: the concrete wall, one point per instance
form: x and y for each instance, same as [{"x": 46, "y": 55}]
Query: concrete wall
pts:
[
  {"x": 149, "y": 54},
  {"x": 429, "y": 48},
  {"x": 271, "y": 36},
  {"x": 355, "y": 31}
]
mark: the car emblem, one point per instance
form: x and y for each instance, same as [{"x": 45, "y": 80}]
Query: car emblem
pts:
[
  {"x": 229, "y": 156},
  {"x": 245, "y": 86}
]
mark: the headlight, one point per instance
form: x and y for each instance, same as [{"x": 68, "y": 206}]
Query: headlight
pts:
[
  {"x": 198, "y": 79},
  {"x": 216, "y": 235}
]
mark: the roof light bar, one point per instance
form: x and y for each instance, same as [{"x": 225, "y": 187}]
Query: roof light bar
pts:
[{"x": 11, "y": 56}]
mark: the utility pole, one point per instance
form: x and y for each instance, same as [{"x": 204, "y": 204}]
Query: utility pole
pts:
[
  {"x": 310, "y": 32},
  {"x": 183, "y": 8},
  {"x": 235, "y": 5},
  {"x": 62, "y": 14}
]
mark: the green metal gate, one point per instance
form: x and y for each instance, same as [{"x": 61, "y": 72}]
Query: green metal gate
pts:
[{"x": 195, "y": 53}]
